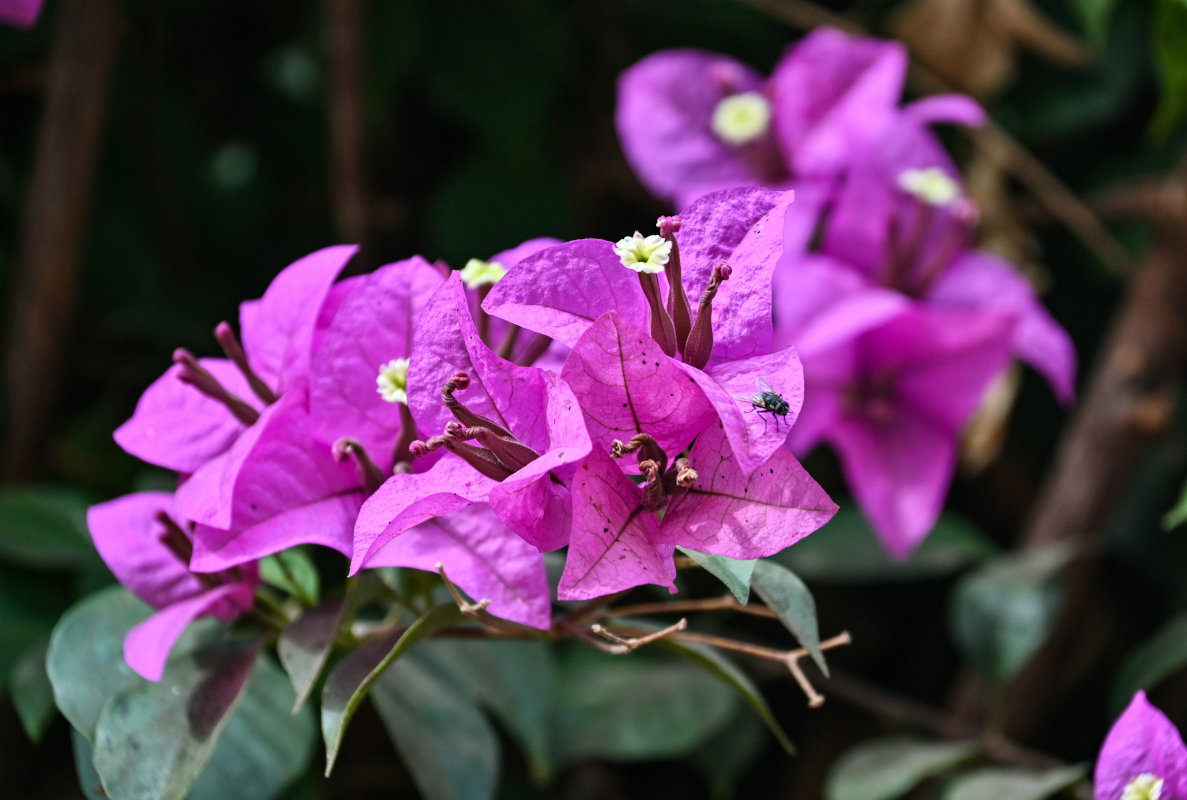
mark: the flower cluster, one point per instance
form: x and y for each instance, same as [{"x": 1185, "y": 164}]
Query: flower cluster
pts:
[
  {"x": 901, "y": 324},
  {"x": 557, "y": 395}
]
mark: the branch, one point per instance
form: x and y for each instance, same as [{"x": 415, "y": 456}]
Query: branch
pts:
[
  {"x": 348, "y": 142},
  {"x": 46, "y": 280}
]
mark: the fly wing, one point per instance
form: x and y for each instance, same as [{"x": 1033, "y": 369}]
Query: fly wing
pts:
[{"x": 764, "y": 386}]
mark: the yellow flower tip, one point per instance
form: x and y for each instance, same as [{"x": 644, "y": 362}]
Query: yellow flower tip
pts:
[
  {"x": 931, "y": 185},
  {"x": 392, "y": 383},
  {"x": 482, "y": 273},
  {"x": 643, "y": 253},
  {"x": 741, "y": 118}
]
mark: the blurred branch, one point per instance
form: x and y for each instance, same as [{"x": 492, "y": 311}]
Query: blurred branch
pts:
[
  {"x": 880, "y": 702},
  {"x": 1129, "y": 404},
  {"x": 994, "y": 140},
  {"x": 45, "y": 286},
  {"x": 347, "y": 121}
]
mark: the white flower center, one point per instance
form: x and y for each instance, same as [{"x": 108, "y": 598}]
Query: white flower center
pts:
[
  {"x": 482, "y": 273},
  {"x": 1143, "y": 787},
  {"x": 931, "y": 185},
  {"x": 392, "y": 382},
  {"x": 644, "y": 253},
  {"x": 741, "y": 118}
]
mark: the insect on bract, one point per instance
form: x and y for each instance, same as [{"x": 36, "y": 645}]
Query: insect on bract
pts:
[{"x": 768, "y": 401}]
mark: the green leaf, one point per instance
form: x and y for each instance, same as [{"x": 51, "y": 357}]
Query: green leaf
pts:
[
  {"x": 46, "y": 527},
  {"x": 995, "y": 783},
  {"x": 446, "y": 743},
  {"x": 733, "y": 573},
  {"x": 846, "y": 551},
  {"x": 888, "y": 768},
  {"x": 88, "y": 778},
  {"x": 727, "y": 671},
  {"x": 1095, "y": 15},
  {"x": 790, "y": 599},
  {"x": 153, "y": 739},
  {"x": 633, "y": 708},
  {"x": 305, "y": 646},
  {"x": 1170, "y": 51},
  {"x": 85, "y": 662},
  {"x": 1177, "y": 515},
  {"x": 32, "y": 693},
  {"x": 352, "y": 678},
  {"x": 292, "y": 571},
  {"x": 1159, "y": 657},
  {"x": 263, "y": 747},
  {"x": 1001, "y": 613},
  {"x": 514, "y": 680}
]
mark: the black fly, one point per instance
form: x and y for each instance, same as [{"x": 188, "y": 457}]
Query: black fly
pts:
[{"x": 768, "y": 401}]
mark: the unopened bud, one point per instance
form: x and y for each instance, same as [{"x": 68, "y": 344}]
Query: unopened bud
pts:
[{"x": 669, "y": 225}]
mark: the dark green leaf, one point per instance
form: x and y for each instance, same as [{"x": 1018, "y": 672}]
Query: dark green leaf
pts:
[
  {"x": 1170, "y": 51},
  {"x": 733, "y": 573},
  {"x": 1159, "y": 657},
  {"x": 846, "y": 551},
  {"x": 1177, "y": 515},
  {"x": 86, "y": 655},
  {"x": 996, "y": 783},
  {"x": 727, "y": 671},
  {"x": 45, "y": 527},
  {"x": 446, "y": 743},
  {"x": 888, "y": 768},
  {"x": 635, "y": 707},
  {"x": 1001, "y": 613},
  {"x": 32, "y": 693},
  {"x": 351, "y": 679},
  {"x": 263, "y": 748},
  {"x": 727, "y": 755},
  {"x": 153, "y": 739},
  {"x": 30, "y": 605},
  {"x": 305, "y": 646},
  {"x": 515, "y": 680},
  {"x": 292, "y": 571},
  {"x": 788, "y": 597}
]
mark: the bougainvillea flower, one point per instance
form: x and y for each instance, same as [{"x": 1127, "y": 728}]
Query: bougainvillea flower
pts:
[
  {"x": 710, "y": 504},
  {"x": 1143, "y": 757},
  {"x": 358, "y": 381},
  {"x": 508, "y": 432},
  {"x": 509, "y": 341},
  {"x": 722, "y": 249},
  {"x": 20, "y": 13},
  {"x": 149, "y": 551},
  {"x": 892, "y": 399},
  {"x": 913, "y": 235},
  {"x": 483, "y": 557},
  {"x": 692, "y": 122},
  {"x": 198, "y": 408}
]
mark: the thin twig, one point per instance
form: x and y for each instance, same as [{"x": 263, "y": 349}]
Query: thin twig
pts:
[
  {"x": 725, "y": 603},
  {"x": 635, "y": 642}
]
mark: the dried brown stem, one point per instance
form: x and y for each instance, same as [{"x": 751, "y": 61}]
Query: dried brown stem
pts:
[
  {"x": 724, "y": 603},
  {"x": 45, "y": 283}
]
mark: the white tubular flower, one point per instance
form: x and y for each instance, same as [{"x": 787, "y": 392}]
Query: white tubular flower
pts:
[
  {"x": 931, "y": 186},
  {"x": 392, "y": 383},
  {"x": 644, "y": 254},
  {"x": 1143, "y": 787},
  {"x": 482, "y": 273},
  {"x": 741, "y": 118}
]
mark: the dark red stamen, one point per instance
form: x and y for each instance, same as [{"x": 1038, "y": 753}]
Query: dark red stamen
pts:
[
  {"x": 197, "y": 376},
  {"x": 234, "y": 351}
]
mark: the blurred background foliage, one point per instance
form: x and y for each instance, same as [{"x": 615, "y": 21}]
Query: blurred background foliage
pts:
[{"x": 485, "y": 123}]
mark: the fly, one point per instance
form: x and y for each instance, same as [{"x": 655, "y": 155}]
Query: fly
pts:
[{"x": 768, "y": 401}]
